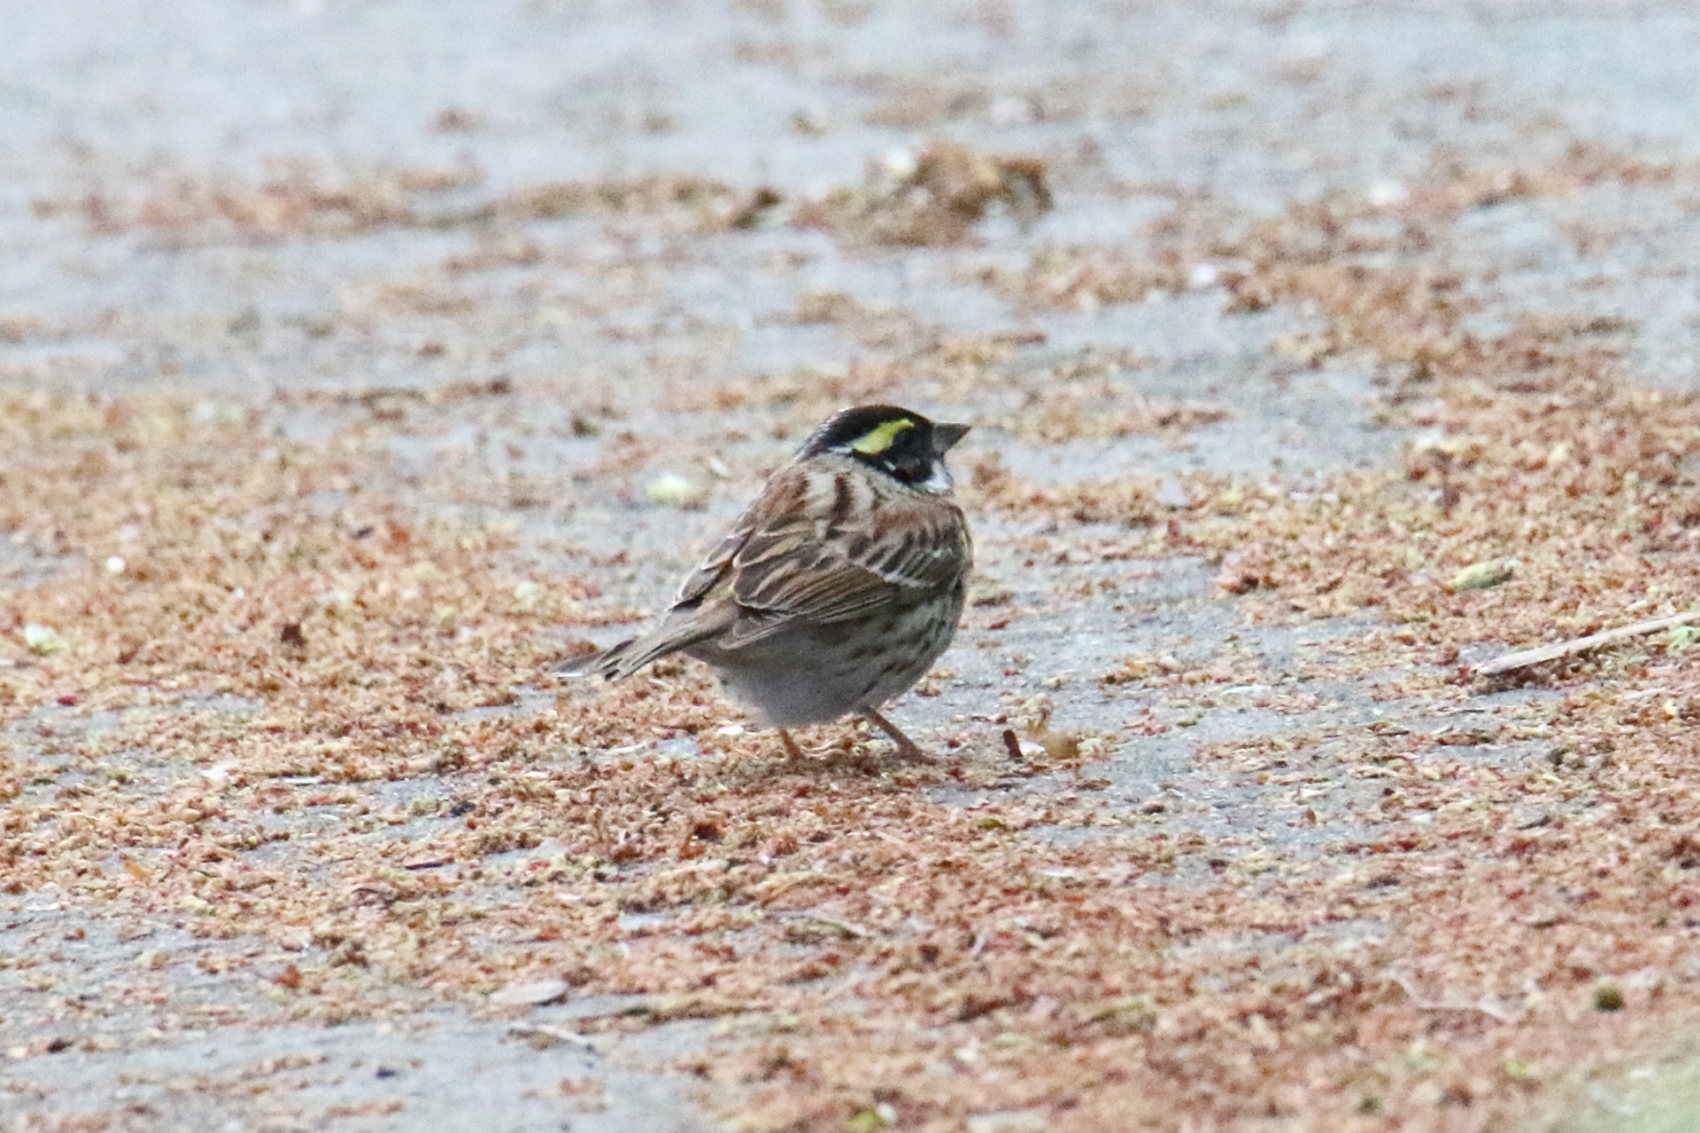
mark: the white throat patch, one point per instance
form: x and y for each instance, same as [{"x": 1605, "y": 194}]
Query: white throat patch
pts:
[{"x": 939, "y": 481}]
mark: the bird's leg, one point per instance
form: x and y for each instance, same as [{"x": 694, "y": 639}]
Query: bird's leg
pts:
[
  {"x": 906, "y": 747},
  {"x": 792, "y": 751}
]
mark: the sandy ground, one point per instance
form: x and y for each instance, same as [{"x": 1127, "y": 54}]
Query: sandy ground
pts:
[{"x": 329, "y": 225}]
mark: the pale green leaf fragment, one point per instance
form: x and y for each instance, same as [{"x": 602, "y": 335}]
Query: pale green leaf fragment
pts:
[
  {"x": 42, "y": 640},
  {"x": 1484, "y": 575}
]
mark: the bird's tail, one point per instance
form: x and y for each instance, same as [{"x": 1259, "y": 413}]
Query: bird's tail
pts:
[
  {"x": 628, "y": 657},
  {"x": 618, "y": 661}
]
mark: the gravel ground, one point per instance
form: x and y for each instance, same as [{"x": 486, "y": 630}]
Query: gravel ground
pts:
[{"x": 312, "y": 217}]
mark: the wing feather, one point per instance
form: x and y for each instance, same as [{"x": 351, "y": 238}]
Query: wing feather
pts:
[
  {"x": 893, "y": 550},
  {"x": 823, "y": 543}
]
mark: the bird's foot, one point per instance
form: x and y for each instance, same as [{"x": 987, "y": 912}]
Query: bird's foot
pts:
[
  {"x": 794, "y": 756},
  {"x": 907, "y": 749}
]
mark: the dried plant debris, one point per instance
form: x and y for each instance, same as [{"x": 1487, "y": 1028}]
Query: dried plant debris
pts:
[
  {"x": 694, "y": 201},
  {"x": 309, "y": 720},
  {"x": 932, "y": 197},
  {"x": 310, "y": 199},
  {"x": 880, "y": 325},
  {"x": 1092, "y": 397},
  {"x": 1088, "y": 278}
]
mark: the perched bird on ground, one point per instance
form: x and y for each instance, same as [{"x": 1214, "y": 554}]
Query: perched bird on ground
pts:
[{"x": 838, "y": 587}]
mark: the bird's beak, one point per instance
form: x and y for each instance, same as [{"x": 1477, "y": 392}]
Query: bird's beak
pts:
[{"x": 946, "y": 434}]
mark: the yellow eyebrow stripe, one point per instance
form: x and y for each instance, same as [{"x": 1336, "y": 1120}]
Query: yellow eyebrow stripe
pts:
[{"x": 878, "y": 439}]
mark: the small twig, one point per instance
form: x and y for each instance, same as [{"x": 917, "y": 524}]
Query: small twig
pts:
[
  {"x": 844, "y": 928},
  {"x": 1486, "y": 1006},
  {"x": 543, "y": 1036},
  {"x": 1526, "y": 657}
]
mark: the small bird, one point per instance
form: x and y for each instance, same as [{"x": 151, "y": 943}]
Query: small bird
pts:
[{"x": 837, "y": 588}]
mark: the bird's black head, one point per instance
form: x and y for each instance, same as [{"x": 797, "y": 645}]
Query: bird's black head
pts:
[{"x": 899, "y": 442}]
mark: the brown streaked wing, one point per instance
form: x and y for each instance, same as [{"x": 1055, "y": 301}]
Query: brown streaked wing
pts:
[
  {"x": 794, "y": 570},
  {"x": 782, "y": 492}
]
